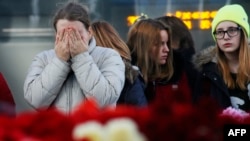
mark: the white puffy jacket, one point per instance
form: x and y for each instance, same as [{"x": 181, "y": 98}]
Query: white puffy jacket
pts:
[{"x": 98, "y": 73}]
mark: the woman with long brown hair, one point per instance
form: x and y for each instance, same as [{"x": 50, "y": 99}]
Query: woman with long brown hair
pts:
[
  {"x": 150, "y": 43},
  {"x": 133, "y": 90},
  {"x": 225, "y": 68}
]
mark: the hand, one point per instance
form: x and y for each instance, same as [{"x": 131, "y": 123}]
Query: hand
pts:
[
  {"x": 77, "y": 45},
  {"x": 62, "y": 45}
]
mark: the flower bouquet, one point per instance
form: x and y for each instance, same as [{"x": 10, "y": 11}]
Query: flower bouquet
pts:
[{"x": 169, "y": 118}]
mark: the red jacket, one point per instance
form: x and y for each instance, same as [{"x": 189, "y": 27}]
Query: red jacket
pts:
[
  {"x": 7, "y": 103},
  {"x": 169, "y": 90}
]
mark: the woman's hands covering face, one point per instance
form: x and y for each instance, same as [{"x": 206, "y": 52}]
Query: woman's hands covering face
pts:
[
  {"x": 69, "y": 43},
  {"x": 77, "y": 44},
  {"x": 61, "y": 45}
]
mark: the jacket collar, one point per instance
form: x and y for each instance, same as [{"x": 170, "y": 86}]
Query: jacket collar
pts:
[
  {"x": 204, "y": 56},
  {"x": 92, "y": 44}
]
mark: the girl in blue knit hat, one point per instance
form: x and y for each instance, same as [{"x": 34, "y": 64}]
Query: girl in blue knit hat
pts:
[{"x": 224, "y": 70}]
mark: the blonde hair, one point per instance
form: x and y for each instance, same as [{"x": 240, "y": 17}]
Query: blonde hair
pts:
[
  {"x": 243, "y": 75},
  {"x": 106, "y": 36},
  {"x": 142, "y": 37}
]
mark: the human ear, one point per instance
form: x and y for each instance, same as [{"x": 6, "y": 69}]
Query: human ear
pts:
[{"x": 90, "y": 32}]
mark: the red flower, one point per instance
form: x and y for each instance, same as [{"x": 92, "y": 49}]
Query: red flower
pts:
[
  {"x": 49, "y": 125},
  {"x": 171, "y": 118}
]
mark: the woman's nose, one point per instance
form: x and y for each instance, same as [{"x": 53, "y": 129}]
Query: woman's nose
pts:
[
  {"x": 166, "y": 49},
  {"x": 226, "y": 36}
]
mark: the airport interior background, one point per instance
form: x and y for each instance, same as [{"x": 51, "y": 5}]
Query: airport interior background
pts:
[{"x": 26, "y": 29}]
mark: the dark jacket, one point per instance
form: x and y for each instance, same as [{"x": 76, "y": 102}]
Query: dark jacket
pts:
[
  {"x": 209, "y": 81},
  {"x": 166, "y": 89},
  {"x": 181, "y": 81},
  {"x": 133, "y": 93},
  {"x": 133, "y": 90},
  {"x": 183, "y": 64}
]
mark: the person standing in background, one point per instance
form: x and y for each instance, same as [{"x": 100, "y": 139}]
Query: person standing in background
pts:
[
  {"x": 224, "y": 70},
  {"x": 133, "y": 90},
  {"x": 150, "y": 43},
  {"x": 76, "y": 69},
  {"x": 183, "y": 49}
]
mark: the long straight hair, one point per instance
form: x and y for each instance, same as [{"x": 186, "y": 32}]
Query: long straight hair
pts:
[
  {"x": 142, "y": 37},
  {"x": 243, "y": 75},
  {"x": 107, "y": 36}
]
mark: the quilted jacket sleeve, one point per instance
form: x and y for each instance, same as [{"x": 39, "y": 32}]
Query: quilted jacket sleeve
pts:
[{"x": 45, "y": 77}]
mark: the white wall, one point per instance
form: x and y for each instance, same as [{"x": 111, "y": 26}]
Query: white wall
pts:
[{"x": 15, "y": 58}]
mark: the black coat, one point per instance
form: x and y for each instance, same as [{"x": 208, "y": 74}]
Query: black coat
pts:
[{"x": 209, "y": 81}]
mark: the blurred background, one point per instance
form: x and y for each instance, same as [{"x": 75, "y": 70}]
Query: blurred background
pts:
[{"x": 26, "y": 28}]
